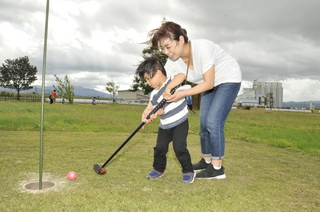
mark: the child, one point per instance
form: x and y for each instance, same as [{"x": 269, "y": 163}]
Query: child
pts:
[{"x": 174, "y": 123}]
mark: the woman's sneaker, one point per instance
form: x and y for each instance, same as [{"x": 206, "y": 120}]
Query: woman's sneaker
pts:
[
  {"x": 188, "y": 177},
  {"x": 202, "y": 164},
  {"x": 211, "y": 173},
  {"x": 154, "y": 174}
]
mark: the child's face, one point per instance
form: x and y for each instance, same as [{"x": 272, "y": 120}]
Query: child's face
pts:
[{"x": 155, "y": 81}]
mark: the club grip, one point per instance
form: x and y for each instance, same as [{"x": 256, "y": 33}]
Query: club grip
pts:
[{"x": 163, "y": 101}]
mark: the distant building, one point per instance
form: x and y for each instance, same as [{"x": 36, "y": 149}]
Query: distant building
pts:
[
  {"x": 132, "y": 97},
  {"x": 254, "y": 96}
]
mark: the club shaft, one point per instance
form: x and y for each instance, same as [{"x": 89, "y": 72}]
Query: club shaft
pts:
[
  {"x": 155, "y": 109},
  {"x": 124, "y": 143}
]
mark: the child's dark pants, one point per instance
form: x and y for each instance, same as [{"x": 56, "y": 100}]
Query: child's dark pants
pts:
[{"x": 178, "y": 136}]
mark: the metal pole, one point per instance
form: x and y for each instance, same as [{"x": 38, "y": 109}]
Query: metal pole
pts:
[{"x": 42, "y": 95}]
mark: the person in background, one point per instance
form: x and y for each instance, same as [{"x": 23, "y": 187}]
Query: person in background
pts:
[
  {"x": 53, "y": 96},
  {"x": 50, "y": 98},
  {"x": 189, "y": 103},
  {"x": 94, "y": 101}
]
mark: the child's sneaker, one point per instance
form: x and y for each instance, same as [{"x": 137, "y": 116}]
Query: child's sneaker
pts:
[
  {"x": 202, "y": 164},
  {"x": 154, "y": 174},
  {"x": 211, "y": 173},
  {"x": 188, "y": 177}
]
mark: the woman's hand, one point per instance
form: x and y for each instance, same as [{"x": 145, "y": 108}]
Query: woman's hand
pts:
[
  {"x": 167, "y": 94},
  {"x": 174, "y": 97}
]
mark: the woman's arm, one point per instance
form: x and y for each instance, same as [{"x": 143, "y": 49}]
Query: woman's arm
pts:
[
  {"x": 177, "y": 80},
  {"x": 207, "y": 84}
]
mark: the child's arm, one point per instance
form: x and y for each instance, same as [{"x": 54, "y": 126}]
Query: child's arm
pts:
[
  {"x": 146, "y": 112},
  {"x": 160, "y": 112},
  {"x": 153, "y": 116}
]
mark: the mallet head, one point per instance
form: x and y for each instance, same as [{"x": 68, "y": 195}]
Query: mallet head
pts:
[{"x": 99, "y": 169}]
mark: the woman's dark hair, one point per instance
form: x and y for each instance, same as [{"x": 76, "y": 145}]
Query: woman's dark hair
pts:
[
  {"x": 166, "y": 30},
  {"x": 150, "y": 65}
]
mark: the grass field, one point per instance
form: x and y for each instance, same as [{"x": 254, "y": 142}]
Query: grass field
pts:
[{"x": 272, "y": 162}]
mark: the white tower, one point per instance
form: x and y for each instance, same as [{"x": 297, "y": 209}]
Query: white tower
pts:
[{"x": 262, "y": 88}]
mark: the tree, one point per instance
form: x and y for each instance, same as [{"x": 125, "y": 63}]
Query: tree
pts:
[
  {"x": 17, "y": 74},
  {"x": 141, "y": 84},
  {"x": 65, "y": 89},
  {"x": 5, "y": 93},
  {"x": 265, "y": 101},
  {"x": 268, "y": 99},
  {"x": 112, "y": 88}
]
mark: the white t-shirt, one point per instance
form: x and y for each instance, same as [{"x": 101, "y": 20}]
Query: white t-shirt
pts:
[{"x": 205, "y": 54}]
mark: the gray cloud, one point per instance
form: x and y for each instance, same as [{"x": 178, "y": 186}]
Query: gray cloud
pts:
[{"x": 272, "y": 40}]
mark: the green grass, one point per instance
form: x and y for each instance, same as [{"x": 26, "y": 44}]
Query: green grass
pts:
[
  {"x": 76, "y": 117},
  {"x": 296, "y": 131},
  {"x": 260, "y": 175}
]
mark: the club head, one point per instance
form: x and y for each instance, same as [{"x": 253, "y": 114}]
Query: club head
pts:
[{"x": 99, "y": 169}]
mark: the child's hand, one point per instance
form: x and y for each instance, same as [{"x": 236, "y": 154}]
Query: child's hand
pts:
[
  {"x": 153, "y": 117},
  {"x": 144, "y": 116},
  {"x": 147, "y": 121}
]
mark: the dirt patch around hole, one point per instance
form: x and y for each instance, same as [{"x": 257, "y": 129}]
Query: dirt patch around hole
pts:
[{"x": 50, "y": 183}]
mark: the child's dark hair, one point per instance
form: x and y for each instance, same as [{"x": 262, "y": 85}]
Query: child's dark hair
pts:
[{"x": 149, "y": 66}]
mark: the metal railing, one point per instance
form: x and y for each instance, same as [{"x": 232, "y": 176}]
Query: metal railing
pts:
[{"x": 80, "y": 101}]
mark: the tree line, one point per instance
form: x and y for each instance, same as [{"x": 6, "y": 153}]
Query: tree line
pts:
[{"x": 18, "y": 74}]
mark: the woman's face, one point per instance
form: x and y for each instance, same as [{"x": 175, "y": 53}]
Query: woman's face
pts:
[{"x": 171, "y": 48}]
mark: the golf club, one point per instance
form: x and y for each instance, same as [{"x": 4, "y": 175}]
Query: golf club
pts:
[{"x": 98, "y": 168}]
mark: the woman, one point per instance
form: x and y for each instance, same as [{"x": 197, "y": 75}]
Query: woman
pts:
[{"x": 217, "y": 76}]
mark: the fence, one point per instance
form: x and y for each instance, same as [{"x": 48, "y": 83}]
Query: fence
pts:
[
  {"x": 291, "y": 110},
  {"x": 80, "y": 101},
  {"x": 24, "y": 99}
]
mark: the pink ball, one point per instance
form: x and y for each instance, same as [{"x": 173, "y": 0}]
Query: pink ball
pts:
[{"x": 72, "y": 175}]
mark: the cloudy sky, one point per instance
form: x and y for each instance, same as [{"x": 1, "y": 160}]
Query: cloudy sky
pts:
[{"x": 96, "y": 41}]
